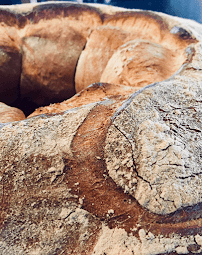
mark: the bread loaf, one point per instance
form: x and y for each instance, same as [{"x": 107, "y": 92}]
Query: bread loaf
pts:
[{"x": 115, "y": 169}]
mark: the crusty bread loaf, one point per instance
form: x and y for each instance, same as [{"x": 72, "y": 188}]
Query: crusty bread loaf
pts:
[{"x": 116, "y": 168}]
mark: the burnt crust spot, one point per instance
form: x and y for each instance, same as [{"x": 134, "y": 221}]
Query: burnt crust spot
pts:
[
  {"x": 181, "y": 32},
  {"x": 46, "y": 12}
]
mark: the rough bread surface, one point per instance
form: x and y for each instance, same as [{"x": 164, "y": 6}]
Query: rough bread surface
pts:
[{"x": 165, "y": 136}]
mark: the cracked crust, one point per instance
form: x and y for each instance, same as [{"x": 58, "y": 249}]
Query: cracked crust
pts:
[{"x": 166, "y": 137}]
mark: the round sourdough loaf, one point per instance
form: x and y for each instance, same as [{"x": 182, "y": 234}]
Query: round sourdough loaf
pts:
[{"x": 116, "y": 168}]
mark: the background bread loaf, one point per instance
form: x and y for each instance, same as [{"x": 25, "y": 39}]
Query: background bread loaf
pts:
[{"x": 51, "y": 51}]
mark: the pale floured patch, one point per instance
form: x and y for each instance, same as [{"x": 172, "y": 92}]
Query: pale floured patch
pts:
[
  {"x": 118, "y": 155},
  {"x": 40, "y": 139},
  {"x": 118, "y": 242},
  {"x": 160, "y": 131},
  {"x": 53, "y": 135}
]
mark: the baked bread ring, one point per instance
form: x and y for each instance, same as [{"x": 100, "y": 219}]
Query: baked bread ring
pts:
[{"x": 116, "y": 167}]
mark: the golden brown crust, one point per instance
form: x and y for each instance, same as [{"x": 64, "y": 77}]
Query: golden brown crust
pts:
[
  {"x": 101, "y": 45},
  {"x": 10, "y": 114},
  {"x": 140, "y": 62},
  {"x": 119, "y": 29},
  {"x": 94, "y": 93}
]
